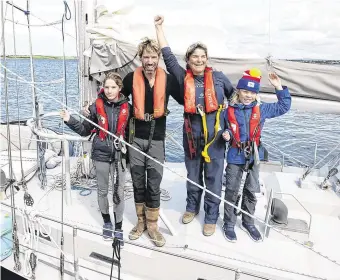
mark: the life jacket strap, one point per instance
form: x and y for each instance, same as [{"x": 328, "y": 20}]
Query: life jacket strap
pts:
[
  {"x": 205, "y": 153},
  {"x": 190, "y": 137}
]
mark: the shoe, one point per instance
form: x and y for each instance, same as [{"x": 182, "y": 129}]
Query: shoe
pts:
[
  {"x": 252, "y": 231},
  {"x": 118, "y": 234},
  {"x": 188, "y": 217},
  {"x": 107, "y": 231},
  {"x": 229, "y": 233},
  {"x": 209, "y": 229}
]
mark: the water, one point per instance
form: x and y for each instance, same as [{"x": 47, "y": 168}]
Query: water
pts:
[{"x": 295, "y": 134}]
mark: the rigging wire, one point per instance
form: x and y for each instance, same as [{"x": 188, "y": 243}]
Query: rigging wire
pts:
[
  {"x": 27, "y": 197},
  {"x": 17, "y": 264},
  {"x": 66, "y": 16}
]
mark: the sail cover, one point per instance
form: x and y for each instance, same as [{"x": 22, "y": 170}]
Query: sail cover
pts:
[{"x": 239, "y": 36}]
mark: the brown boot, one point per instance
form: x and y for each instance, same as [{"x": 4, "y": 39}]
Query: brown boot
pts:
[
  {"x": 188, "y": 217},
  {"x": 209, "y": 229},
  {"x": 151, "y": 222},
  {"x": 138, "y": 230}
]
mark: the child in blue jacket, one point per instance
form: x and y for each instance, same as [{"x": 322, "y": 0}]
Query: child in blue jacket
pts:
[{"x": 245, "y": 118}]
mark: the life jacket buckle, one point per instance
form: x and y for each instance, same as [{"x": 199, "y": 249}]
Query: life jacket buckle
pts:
[
  {"x": 247, "y": 151},
  {"x": 148, "y": 117},
  {"x": 116, "y": 143},
  {"x": 200, "y": 109}
]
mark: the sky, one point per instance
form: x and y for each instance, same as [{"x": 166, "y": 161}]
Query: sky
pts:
[{"x": 292, "y": 29}]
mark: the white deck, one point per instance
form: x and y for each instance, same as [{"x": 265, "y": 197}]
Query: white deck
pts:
[{"x": 276, "y": 258}]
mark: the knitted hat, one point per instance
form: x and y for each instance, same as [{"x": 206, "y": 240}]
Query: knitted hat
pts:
[{"x": 250, "y": 80}]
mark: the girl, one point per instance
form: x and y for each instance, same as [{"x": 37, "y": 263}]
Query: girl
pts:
[
  {"x": 245, "y": 118},
  {"x": 110, "y": 111}
]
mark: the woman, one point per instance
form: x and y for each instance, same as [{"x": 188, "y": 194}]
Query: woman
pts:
[
  {"x": 111, "y": 111},
  {"x": 204, "y": 91}
]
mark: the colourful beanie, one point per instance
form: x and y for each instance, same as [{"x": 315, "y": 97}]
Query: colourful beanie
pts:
[{"x": 250, "y": 80}]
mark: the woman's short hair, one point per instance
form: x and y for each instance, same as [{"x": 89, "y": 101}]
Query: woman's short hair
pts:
[{"x": 193, "y": 47}]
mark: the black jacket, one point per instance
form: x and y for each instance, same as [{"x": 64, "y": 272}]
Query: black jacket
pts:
[
  {"x": 142, "y": 128},
  {"x": 101, "y": 150}
]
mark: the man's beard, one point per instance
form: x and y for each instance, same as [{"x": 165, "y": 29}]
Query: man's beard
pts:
[{"x": 149, "y": 68}]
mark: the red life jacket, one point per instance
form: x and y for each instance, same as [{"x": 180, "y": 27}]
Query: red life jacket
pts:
[
  {"x": 210, "y": 99},
  {"x": 159, "y": 95},
  {"x": 103, "y": 120},
  {"x": 254, "y": 126}
]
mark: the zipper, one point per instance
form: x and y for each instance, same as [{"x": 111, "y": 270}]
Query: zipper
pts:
[
  {"x": 112, "y": 139},
  {"x": 247, "y": 125}
]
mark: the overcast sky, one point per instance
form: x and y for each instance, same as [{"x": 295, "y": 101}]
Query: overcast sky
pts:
[{"x": 246, "y": 28}]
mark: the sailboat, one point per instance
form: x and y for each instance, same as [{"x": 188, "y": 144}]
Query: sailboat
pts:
[{"x": 51, "y": 227}]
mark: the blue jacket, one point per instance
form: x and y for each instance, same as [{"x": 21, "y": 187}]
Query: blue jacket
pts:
[
  {"x": 243, "y": 113},
  {"x": 223, "y": 88}
]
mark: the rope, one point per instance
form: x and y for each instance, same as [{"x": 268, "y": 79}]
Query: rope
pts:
[
  {"x": 34, "y": 25},
  {"x": 9, "y": 141},
  {"x": 27, "y": 197},
  {"x": 35, "y": 224},
  {"x": 54, "y": 26},
  {"x": 66, "y": 16},
  {"x": 174, "y": 172},
  {"x": 116, "y": 198},
  {"x": 115, "y": 252},
  {"x": 88, "y": 185},
  {"x": 79, "y": 144},
  {"x": 31, "y": 240},
  {"x": 40, "y": 148},
  {"x": 57, "y": 81}
]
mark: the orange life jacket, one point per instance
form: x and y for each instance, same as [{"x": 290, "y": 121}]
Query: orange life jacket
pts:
[
  {"x": 159, "y": 94},
  {"x": 210, "y": 99},
  {"x": 103, "y": 120},
  {"x": 254, "y": 126}
]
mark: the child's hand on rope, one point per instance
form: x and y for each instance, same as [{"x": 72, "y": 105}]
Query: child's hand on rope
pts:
[{"x": 86, "y": 109}]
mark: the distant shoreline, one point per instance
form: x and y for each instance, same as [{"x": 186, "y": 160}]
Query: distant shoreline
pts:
[
  {"x": 313, "y": 61},
  {"x": 40, "y": 57}
]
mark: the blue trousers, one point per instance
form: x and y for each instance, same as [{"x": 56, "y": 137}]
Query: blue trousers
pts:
[{"x": 212, "y": 172}]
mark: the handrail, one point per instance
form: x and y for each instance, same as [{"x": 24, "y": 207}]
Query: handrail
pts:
[
  {"x": 75, "y": 228},
  {"x": 31, "y": 124}
]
